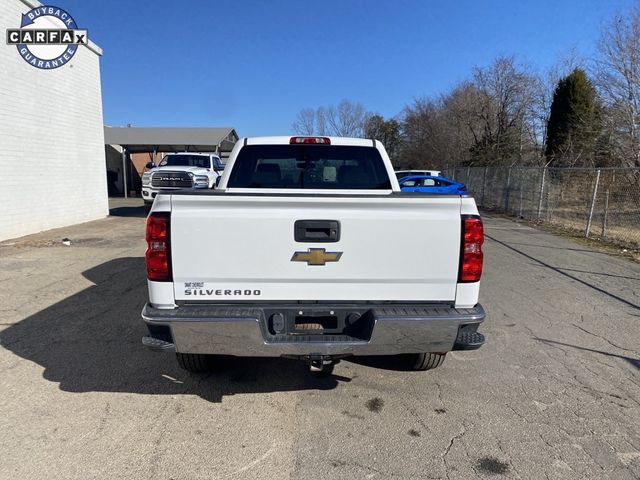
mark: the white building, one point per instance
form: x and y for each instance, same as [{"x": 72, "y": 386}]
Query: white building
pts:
[{"x": 52, "y": 156}]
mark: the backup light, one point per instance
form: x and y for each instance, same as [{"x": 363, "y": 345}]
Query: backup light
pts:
[{"x": 316, "y": 140}]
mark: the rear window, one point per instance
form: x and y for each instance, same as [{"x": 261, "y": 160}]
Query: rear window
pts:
[{"x": 309, "y": 167}]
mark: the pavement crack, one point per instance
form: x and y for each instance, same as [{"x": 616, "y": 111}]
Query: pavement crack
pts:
[
  {"x": 437, "y": 384},
  {"x": 506, "y": 455},
  {"x": 105, "y": 417},
  {"x": 518, "y": 414},
  {"x": 383, "y": 473},
  {"x": 156, "y": 457},
  {"x": 448, "y": 449},
  {"x": 603, "y": 338}
]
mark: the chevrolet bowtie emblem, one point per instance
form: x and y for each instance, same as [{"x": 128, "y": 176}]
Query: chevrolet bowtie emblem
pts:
[{"x": 316, "y": 256}]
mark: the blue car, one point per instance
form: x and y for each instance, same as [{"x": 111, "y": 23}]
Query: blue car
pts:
[{"x": 431, "y": 184}]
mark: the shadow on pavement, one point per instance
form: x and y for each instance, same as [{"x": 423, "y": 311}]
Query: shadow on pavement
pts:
[
  {"x": 91, "y": 342},
  {"x": 601, "y": 274},
  {"x": 140, "y": 211},
  {"x": 563, "y": 272},
  {"x": 397, "y": 363},
  {"x": 584, "y": 250},
  {"x": 633, "y": 361}
]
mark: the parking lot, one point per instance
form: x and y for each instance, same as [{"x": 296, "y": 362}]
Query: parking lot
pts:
[{"x": 554, "y": 393}]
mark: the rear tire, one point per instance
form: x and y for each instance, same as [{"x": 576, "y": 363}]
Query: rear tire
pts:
[
  {"x": 425, "y": 361},
  {"x": 193, "y": 362}
]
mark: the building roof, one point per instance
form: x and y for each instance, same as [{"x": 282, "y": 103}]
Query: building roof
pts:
[{"x": 145, "y": 139}]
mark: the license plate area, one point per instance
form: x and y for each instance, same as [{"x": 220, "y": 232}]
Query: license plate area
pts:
[
  {"x": 319, "y": 321},
  {"x": 306, "y": 324}
]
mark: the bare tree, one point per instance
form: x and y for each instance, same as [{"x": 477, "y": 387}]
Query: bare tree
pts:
[
  {"x": 321, "y": 121},
  {"x": 464, "y": 107},
  {"x": 488, "y": 119},
  {"x": 433, "y": 135},
  {"x": 305, "y": 122},
  {"x": 506, "y": 103},
  {"x": 347, "y": 119},
  {"x": 618, "y": 79}
]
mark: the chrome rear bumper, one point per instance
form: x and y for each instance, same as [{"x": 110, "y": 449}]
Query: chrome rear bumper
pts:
[{"x": 384, "y": 329}]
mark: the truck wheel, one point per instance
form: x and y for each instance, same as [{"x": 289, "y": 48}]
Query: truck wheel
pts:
[
  {"x": 425, "y": 361},
  {"x": 193, "y": 362}
]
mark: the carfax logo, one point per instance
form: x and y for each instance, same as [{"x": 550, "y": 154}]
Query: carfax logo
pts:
[{"x": 48, "y": 37}]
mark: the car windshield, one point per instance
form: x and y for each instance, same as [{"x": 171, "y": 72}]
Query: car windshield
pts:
[
  {"x": 185, "y": 161},
  {"x": 309, "y": 167}
]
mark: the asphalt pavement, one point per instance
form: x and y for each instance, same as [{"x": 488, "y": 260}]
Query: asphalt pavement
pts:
[{"x": 555, "y": 392}]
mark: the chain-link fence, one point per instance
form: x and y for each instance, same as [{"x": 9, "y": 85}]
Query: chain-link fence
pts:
[{"x": 601, "y": 203}]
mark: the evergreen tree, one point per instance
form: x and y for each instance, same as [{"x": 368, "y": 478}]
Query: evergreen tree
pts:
[
  {"x": 387, "y": 131},
  {"x": 574, "y": 125}
]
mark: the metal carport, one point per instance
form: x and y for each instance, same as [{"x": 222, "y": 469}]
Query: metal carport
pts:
[{"x": 219, "y": 140}]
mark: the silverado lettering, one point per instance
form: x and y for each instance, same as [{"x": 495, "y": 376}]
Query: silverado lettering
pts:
[{"x": 208, "y": 292}]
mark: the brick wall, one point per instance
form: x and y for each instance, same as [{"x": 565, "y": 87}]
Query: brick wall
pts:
[{"x": 52, "y": 157}]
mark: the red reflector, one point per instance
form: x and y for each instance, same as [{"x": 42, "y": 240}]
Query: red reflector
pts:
[
  {"x": 471, "y": 257},
  {"x": 316, "y": 140},
  {"x": 158, "y": 252}
]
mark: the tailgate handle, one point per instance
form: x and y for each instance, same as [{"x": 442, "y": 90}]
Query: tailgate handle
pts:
[{"x": 316, "y": 231}]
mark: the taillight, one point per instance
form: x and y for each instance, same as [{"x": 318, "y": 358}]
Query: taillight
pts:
[
  {"x": 316, "y": 140},
  {"x": 158, "y": 254},
  {"x": 471, "y": 249}
]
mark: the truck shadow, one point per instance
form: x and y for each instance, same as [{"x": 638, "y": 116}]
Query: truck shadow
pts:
[
  {"x": 395, "y": 363},
  {"x": 90, "y": 342}
]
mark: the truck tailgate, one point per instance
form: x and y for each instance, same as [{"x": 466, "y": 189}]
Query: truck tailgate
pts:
[{"x": 240, "y": 248}]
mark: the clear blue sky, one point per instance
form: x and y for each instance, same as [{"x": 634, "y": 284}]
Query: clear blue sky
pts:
[{"x": 254, "y": 65}]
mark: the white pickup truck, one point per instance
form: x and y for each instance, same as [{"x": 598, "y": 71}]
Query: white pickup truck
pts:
[
  {"x": 181, "y": 170},
  {"x": 320, "y": 256}
]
